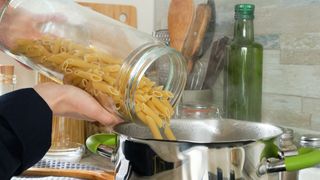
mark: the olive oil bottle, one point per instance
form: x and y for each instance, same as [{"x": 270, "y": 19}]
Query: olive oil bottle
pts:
[{"x": 243, "y": 69}]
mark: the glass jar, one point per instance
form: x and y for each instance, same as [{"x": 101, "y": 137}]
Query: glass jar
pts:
[
  {"x": 62, "y": 39},
  {"x": 197, "y": 104},
  {"x": 7, "y": 79}
]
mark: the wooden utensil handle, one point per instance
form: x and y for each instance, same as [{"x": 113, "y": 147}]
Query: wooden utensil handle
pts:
[
  {"x": 84, "y": 174},
  {"x": 180, "y": 16},
  {"x": 197, "y": 30}
]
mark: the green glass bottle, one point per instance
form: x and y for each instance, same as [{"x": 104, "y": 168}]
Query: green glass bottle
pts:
[{"x": 243, "y": 69}]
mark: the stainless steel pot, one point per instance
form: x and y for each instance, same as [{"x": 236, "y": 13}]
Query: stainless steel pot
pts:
[{"x": 206, "y": 149}]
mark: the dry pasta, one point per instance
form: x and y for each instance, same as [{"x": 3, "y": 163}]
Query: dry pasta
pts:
[{"x": 97, "y": 72}]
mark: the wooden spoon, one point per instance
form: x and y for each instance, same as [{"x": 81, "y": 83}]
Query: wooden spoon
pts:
[
  {"x": 180, "y": 17},
  {"x": 196, "y": 33},
  {"x": 84, "y": 174}
]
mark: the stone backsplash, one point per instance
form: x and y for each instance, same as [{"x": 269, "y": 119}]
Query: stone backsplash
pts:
[{"x": 290, "y": 33}]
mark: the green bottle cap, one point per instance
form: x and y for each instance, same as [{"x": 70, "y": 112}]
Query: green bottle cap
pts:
[{"x": 244, "y": 11}]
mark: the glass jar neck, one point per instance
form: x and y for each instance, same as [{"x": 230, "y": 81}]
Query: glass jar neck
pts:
[
  {"x": 143, "y": 59},
  {"x": 243, "y": 29}
]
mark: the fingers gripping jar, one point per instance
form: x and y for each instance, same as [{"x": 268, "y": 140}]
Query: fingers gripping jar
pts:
[{"x": 114, "y": 62}]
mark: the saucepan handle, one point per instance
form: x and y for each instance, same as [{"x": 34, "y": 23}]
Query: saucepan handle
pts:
[
  {"x": 306, "y": 158},
  {"x": 102, "y": 144},
  {"x": 302, "y": 161}
]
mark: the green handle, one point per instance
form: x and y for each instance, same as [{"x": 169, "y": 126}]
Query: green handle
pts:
[
  {"x": 94, "y": 141},
  {"x": 303, "y": 160},
  {"x": 304, "y": 150}
]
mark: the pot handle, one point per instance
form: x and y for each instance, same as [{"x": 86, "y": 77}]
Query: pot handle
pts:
[
  {"x": 307, "y": 158},
  {"x": 302, "y": 161},
  {"x": 102, "y": 144}
]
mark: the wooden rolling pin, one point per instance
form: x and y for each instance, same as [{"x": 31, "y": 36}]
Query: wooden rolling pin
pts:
[{"x": 83, "y": 174}]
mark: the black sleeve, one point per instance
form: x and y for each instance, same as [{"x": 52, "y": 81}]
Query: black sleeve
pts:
[{"x": 25, "y": 131}]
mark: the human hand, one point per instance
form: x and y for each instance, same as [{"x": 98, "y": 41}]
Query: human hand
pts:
[{"x": 70, "y": 101}]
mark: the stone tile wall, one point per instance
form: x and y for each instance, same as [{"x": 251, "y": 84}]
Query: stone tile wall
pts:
[{"x": 290, "y": 33}]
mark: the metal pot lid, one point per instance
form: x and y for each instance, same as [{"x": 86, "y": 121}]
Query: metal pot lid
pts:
[{"x": 207, "y": 131}]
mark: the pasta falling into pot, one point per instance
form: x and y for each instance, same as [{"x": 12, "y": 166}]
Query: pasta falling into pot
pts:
[{"x": 96, "y": 72}]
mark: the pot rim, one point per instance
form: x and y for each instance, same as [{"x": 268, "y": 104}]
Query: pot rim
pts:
[{"x": 277, "y": 131}]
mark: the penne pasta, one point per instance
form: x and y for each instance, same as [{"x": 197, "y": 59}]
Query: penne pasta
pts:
[
  {"x": 159, "y": 105},
  {"x": 152, "y": 114},
  {"x": 77, "y": 62},
  {"x": 100, "y": 74},
  {"x": 158, "y": 88},
  {"x": 108, "y": 59},
  {"x": 97, "y": 71},
  {"x": 87, "y": 75},
  {"x": 143, "y": 117},
  {"x": 90, "y": 58},
  {"x": 140, "y": 98},
  {"x": 167, "y": 94},
  {"x": 112, "y": 68},
  {"x": 84, "y": 83},
  {"x": 157, "y": 94},
  {"x": 36, "y": 51},
  {"x": 153, "y": 127},
  {"x": 109, "y": 79},
  {"x": 168, "y": 132},
  {"x": 153, "y": 107},
  {"x": 58, "y": 58},
  {"x": 146, "y": 89},
  {"x": 103, "y": 87},
  {"x": 54, "y": 47}
]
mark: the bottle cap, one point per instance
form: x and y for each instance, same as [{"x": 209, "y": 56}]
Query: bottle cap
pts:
[
  {"x": 244, "y": 11},
  {"x": 310, "y": 140},
  {"x": 287, "y": 134},
  {"x": 6, "y": 69}
]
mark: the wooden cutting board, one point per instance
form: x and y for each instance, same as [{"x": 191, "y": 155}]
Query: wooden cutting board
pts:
[
  {"x": 123, "y": 13},
  {"x": 180, "y": 16},
  {"x": 83, "y": 174}
]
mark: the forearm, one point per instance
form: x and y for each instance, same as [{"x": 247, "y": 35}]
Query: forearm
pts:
[{"x": 25, "y": 131}]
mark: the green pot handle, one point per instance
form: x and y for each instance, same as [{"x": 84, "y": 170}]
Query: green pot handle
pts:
[
  {"x": 94, "y": 141},
  {"x": 304, "y": 150},
  {"x": 306, "y": 158}
]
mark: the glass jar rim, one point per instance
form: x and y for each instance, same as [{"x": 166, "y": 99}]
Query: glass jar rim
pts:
[{"x": 136, "y": 65}]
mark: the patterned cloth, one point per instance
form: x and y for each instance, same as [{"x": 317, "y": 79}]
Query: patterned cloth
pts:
[
  {"x": 58, "y": 165},
  {"x": 44, "y": 178}
]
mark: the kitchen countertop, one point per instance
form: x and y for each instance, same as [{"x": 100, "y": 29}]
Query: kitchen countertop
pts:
[{"x": 88, "y": 161}]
